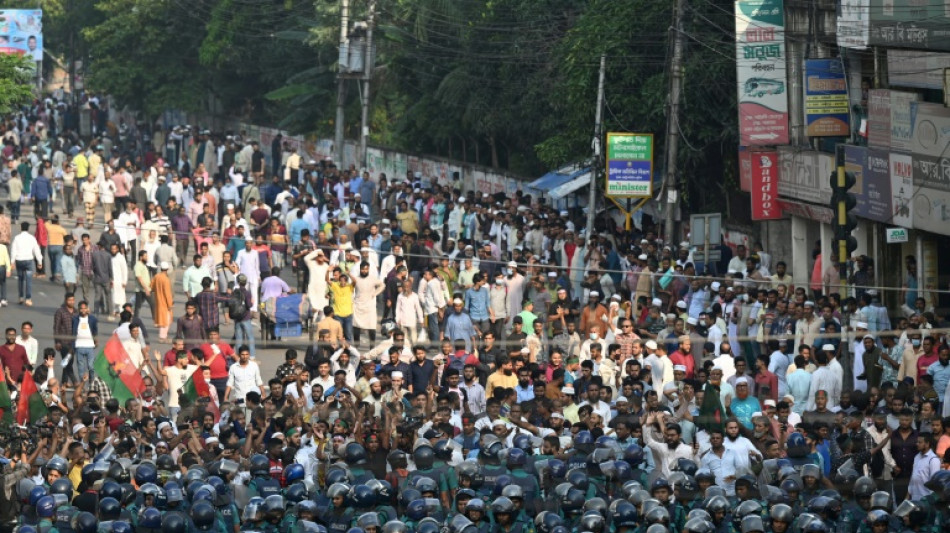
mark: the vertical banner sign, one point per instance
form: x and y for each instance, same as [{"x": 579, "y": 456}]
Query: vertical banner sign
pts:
[
  {"x": 879, "y": 118},
  {"x": 761, "y": 73},
  {"x": 765, "y": 204},
  {"x": 854, "y": 23},
  {"x": 902, "y": 190},
  {"x": 630, "y": 165},
  {"x": 826, "y": 98}
]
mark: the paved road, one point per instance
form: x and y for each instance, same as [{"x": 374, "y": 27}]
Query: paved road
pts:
[{"x": 47, "y": 297}]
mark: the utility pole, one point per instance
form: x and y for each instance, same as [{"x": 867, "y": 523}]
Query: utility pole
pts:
[
  {"x": 368, "y": 62},
  {"x": 598, "y": 150},
  {"x": 672, "y": 119},
  {"x": 341, "y": 81}
]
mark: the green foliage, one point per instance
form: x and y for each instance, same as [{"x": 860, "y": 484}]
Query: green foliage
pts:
[
  {"x": 17, "y": 82},
  {"x": 506, "y": 82}
]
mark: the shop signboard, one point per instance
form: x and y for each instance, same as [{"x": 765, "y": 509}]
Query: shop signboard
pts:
[
  {"x": 917, "y": 24},
  {"x": 896, "y": 235},
  {"x": 902, "y": 190},
  {"x": 826, "y": 99},
  {"x": 914, "y": 68},
  {"x": 761, "y": 72},
  {"x": 804, "y": 175},
  {"x": 764, "y": 194},
  {"x": 630, "y": 165},
  {"x": 853, "y": 23},
  {"x": 931, "y": 167},
  {"x": 879, "y": 118},
  {"x": 874, "y": 198}
]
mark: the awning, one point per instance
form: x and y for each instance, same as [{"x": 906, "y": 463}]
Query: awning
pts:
[
  {"x": 549, "y": 181},
  {"x": 578, "y": 180}
]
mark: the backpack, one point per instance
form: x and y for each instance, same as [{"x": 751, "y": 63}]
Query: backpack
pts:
[{"x": 237, "y": 307}]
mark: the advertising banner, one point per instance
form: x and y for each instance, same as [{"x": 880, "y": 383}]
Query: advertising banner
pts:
[
  {"x": 913, "y": 68},
  {"x": 902, "y": 121},
  {"x": 918, "y": 24},
  {"x": 804, "y": 175},
  {"x": 765, "y": 204},
  {"x": 826, "y": 99},
  {"x": 854, "y": 25},
  {"x": 760, "y": 69},
  {"x": 21, "y": 32},
  {"x": 879, "y": 118},
  {"x": 630, "y": 165},
  {"x": 875, "y": 199},
  {"x": 931, "y": 166},
  {"x": 902, "y": 190},
  {"x": 745, "y": 170}
]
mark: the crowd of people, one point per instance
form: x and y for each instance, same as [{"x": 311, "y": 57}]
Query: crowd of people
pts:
[{"x": 476, "y": 363}]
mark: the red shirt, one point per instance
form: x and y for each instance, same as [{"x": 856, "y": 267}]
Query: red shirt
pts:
[
  {"x": 679, "y": 358},
  {"x": 171, "y": 357},
  {"x": 14, "y": 358},
  {"x": 923, "y": 362},
  {"x": 219, "y": 367}
]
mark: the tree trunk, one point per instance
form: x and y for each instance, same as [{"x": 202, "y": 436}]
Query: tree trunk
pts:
[{"x": 494, "y": 151}]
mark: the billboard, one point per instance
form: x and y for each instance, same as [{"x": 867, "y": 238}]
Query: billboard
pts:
[
  {"x": 875, "y": 200},
  {"x": 853, "y": 23},
  {"x": 630, "y": 165},
  {"x": 761, "y": 73},
  {"x": 826, "y": 99},
  {"x": 21, "y": 32},
  {"x": 917, "y": 24},
  {"x": 913, "y": 68}
]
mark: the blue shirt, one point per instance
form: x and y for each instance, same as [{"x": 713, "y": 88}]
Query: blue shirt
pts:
[
  {"x": 526, "y": 394},
  {"x": 941, "y": 376},
  {"x": 229, "y": 193},
  {"x": 799, "y": 384},
  {"x": 476, "y": 303},
  {"x": 744, "y": 409},
  {"x": 697, "y": 303},
  {"x": 458, "y": 326},
  {"x": 296, "y": 227}
]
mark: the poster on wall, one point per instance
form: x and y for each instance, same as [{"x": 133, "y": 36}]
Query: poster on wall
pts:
[
  {"x": 826, "y": 99},
  {"x": 21, "y": 32},
  {"x": 761, "y": 73},
  {"x": 879, "y": 118}
]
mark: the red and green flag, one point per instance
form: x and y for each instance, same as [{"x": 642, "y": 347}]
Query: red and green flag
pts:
[
  {"x": 114, "y": 367},
  {"x": 6, "y": 405},
  {"x": 194, "y": 389},
  {"x": 30, "y": 405}
]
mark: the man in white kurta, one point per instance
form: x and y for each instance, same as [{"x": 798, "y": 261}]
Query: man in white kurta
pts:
[
  {"x": 120, "y": 277},
  {"x": 318, "y": 266},
  {"x": 366, "y": 287},
  {"x": 249, "y": 263}
]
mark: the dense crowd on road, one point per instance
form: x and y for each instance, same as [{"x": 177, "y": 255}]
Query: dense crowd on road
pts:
[{"x": 466, "y": 362}]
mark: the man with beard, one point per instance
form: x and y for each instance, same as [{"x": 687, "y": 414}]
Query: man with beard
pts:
[
  {"x": 502, "y": 377},
  {"x": 669, "y": 447},
  {"x": 594, "y": 317},
  {"x": 939, "y": 370},
  {"x": 741, "y": 446},
  {"x": 459, "y": 326},
  {"x": 721, "y": 461},
  {"x": 366, "y": 288},
  {"x": 474, "y": 392},
  {"x": 593, "y": 399},
  {"x": 882, "y": 462}
]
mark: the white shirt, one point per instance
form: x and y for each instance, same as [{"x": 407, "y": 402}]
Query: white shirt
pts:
[
  {"x": 722, "y": 467},
  {"x": 250, "y": 265},
  {"x": 84, "y": 335},
  {"x": 32, "y": 347},
  {"x": 741, "y": 447},
  {"x": 601, "y": 408},
  {"x": 25, "y": 248},
  {"x": 244, "y": 379},
  {"x": 176, "y": 379}
]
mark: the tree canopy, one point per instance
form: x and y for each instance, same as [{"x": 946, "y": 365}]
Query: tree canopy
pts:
[{"x": 508, "y": 83}]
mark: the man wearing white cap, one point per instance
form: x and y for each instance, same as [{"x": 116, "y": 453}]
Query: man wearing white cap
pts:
[
  {"x": 808, "y": 326},
  {"x": 824, "y": 379},
  {"x": 164, "y": 300},
  {"x": 515, "y": 283},
  {"x": 594, "y": 317}
]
